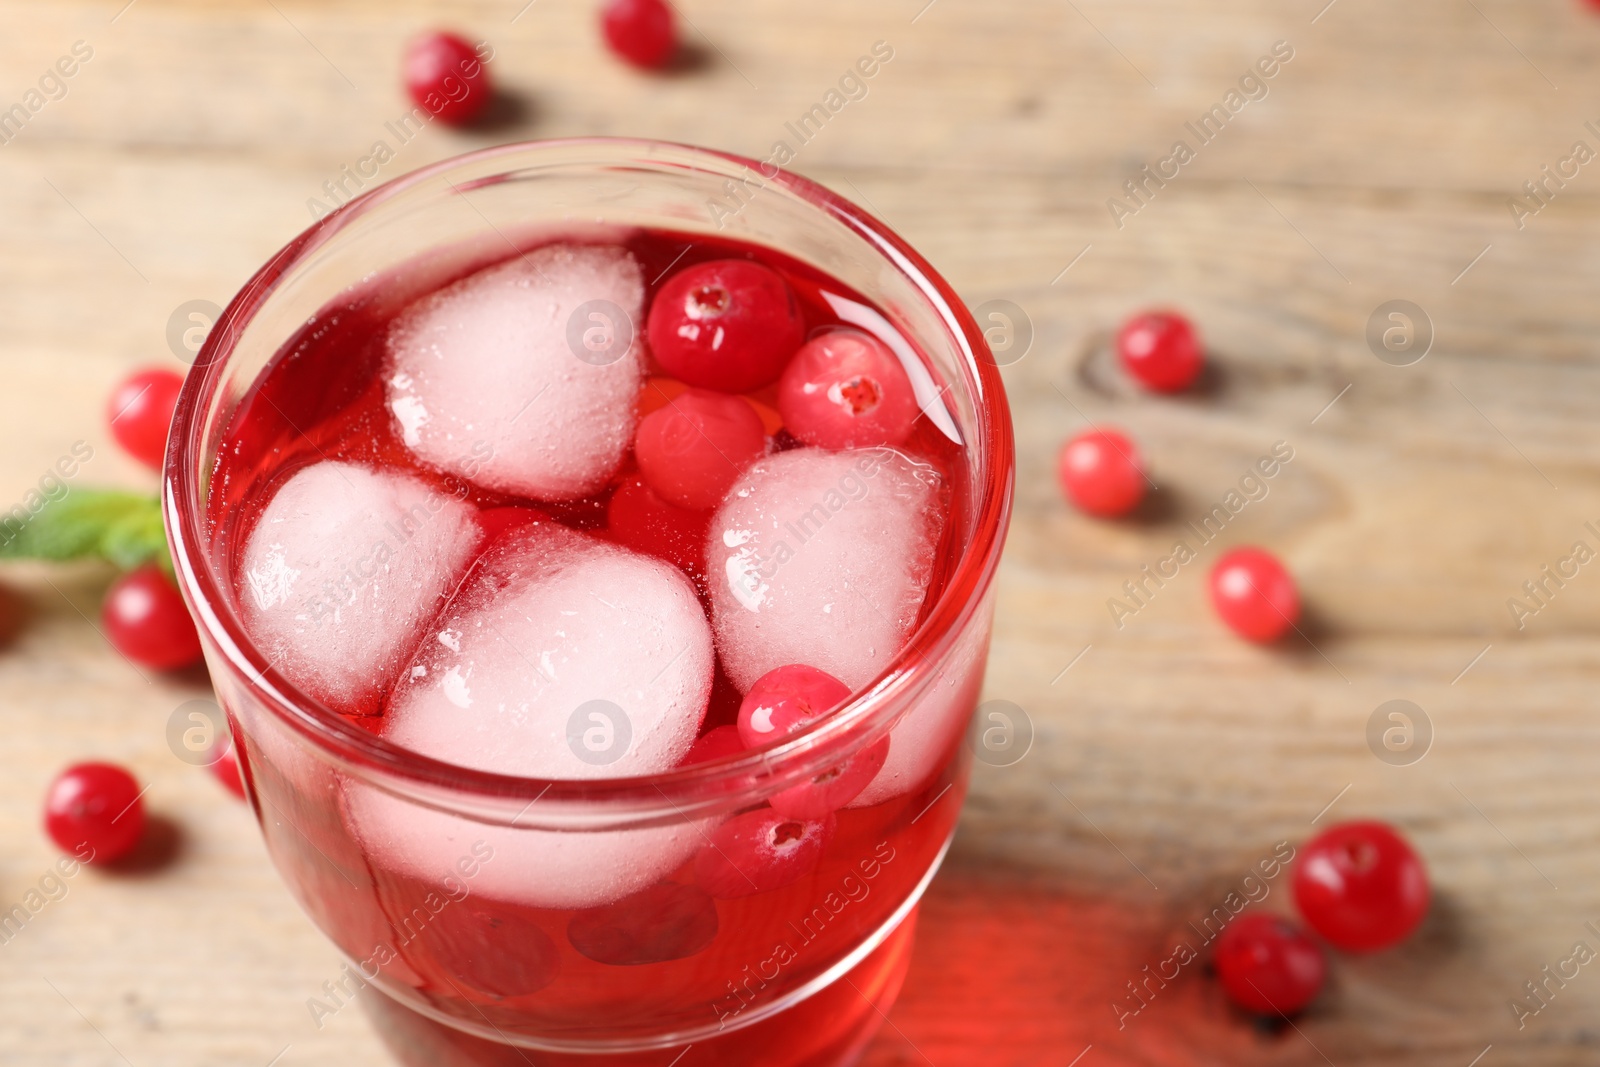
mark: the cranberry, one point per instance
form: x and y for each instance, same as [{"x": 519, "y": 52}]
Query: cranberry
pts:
[
  {"x": 790, "y": 698},
  {"x": 1361, "y": 886},
  {"x": 146, "y": 620},
  {"x": 759, "y": 851},
  {"x": 713, "y": 745},
  {"x": 1160, "y": 349},
  {"x": 1101, "y": 472},
  {"x": 639, "y": 519},
  {"x": 691, "y": 451},
  {"x": 665, "y": 922},
  {"x": 834, "y": 787},
  {"x": 1269, "y": 966},
  {"x": 140, "y": 410},
  {"x": 1254, "y": 595},
  {"x": 226, "y": 769},
  {"x": 845, "y": 389},
  {"x": 444, "y": 75},
  {"x": 640, "y": 31},
  {"x": 93, "y": 811},
  {"x": 728, "y": 325},
  {"x": 787, "y": 699}
]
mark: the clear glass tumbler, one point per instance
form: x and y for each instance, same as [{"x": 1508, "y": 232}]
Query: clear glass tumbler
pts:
[{"x": 417, "y": 869}]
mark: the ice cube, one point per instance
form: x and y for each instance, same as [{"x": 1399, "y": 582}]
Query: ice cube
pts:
[
  {"x": 532, "y": 867},
  {"x": 343, "y": 567},
  {"x": 562, "y": 656},
  {"x": 822, "y": 558},
  {"x": 925, "y": 738},
  {"x": 523, "y": 377}
]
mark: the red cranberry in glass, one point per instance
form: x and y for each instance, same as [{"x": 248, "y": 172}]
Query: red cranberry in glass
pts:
[
  {"x": 714, "y": 744},
  {"x": 790, "y": 698},
  {"x": 641, "y": 520},
  {"x": 145, "y": 619},
  {"x": 1102, "y": 473},
  {"x": 1268, "y": 966},
  {"x": 728, "y": 325},
  {"x": 787, "y": 699},
  {"x": 92, "y": 810},
  {"x": 1254, "y": 595},
  {"x": 845, "y": 389},
  {"x": 834, "y": 787},
  {"x": 444, "y": 75},
  {"x": 1161, "y": 350},
  {"x": 692, "y": 450},
  {"x": 759, "y": 851},
  {"x": 1361, "y": 886},
  {"x": 665, "y": 922},
  {"x": 640, "y": 31},
  {"x": 139, "y": 412}
]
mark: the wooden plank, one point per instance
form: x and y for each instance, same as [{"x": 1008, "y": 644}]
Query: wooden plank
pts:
[{"x": 1378, "y": 167}]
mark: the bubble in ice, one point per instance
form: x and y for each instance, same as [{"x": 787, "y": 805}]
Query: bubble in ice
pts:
[
  {"x": 562, "y": 656},
  {"x": 343, "y": 566},
  {"x": 822, "y": 558},
  {"x": 483, "y": 380}
]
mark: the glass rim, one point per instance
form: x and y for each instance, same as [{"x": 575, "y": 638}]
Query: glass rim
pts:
[{"x": 808, "y": 752}]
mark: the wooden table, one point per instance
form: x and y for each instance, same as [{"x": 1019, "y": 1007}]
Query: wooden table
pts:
[{"x": 1169, "y": 757}]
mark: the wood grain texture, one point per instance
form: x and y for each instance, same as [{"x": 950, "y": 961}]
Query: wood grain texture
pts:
[{"x": 1170, "y": 757}]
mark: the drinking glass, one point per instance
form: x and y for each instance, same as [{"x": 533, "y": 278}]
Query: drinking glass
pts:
[{"x": 419, "y": 870}]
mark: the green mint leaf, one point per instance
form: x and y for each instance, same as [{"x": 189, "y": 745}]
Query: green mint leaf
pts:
[{"x": 111, "y": 524}]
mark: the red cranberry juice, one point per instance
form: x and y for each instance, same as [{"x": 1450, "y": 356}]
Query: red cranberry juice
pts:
[{"x": 669, "y": 959}]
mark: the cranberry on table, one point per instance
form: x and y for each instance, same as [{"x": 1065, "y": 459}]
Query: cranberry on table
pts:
[
  {"x": 1160, "y": 349},
  {"x": 145, "y": 619},
  {"x": 444, "y": 75},
  {"x": 1102, "y": 473},
  {"x": 759, "y": 851},
  {"x": 1268, "y": 966},
  {"x": 728, "y": 325},
  {"x": 93, "y": 811},
  {"x": 1361, "y": 886},
  {"x": 845, "y": 389},
  {"x": 640, "y": 31},
  {"x": 140, "y": 411},
  {"x": 1254, "y": 594},
  {"x": 693, "y": 450}
]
